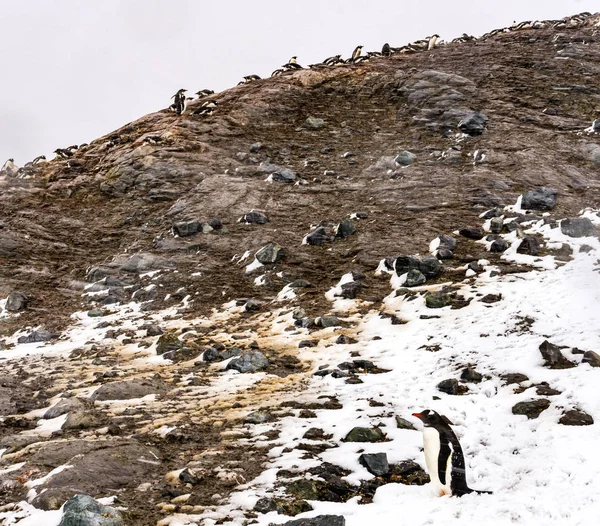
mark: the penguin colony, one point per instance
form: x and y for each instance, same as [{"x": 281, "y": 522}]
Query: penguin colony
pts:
[{"x": 208, "y": 107}]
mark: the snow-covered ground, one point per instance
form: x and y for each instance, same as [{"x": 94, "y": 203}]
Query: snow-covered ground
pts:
[{"x": 540, "y": 472}]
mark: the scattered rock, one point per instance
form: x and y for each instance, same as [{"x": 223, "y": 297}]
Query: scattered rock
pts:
[
  {"x": 83, "y": 510},
  {"x": 472, "y": 232},
  {"x": 314, "y": 123},
  {"x": 430, "y": 267},
  {"x": 258, "y": 417},
  {"x": 249, "y": 362},
  {"x": 531, "y": 409},
  {"x": 376, "y": 463},
  {"x": 365, "y": 434},
  {"x": 16, "y": 301},
  {"x": 592, "y": 358},
  {"x": 350, "y": 290},
  {"x": 529, "y": 245},
  {"x": 414, "y": 278},
  {"x": 491, "y": 298},
  {"x": 270, "y": 253},
  {"x": 539, "y": 199},
  {"x": 576, "y": 418},
  {"x": 577, "y": 227},
  {"x": 499, "y": 245},
  {"x": 185, "y": 229},
  {"x": 470, "y": 375},
  {"x": 403, "y": 264},
  {"x": 444, "y": 253},
  {"x": 345, "y": 229},
  {"x": 496, "y": 225},
  {"x": 328, "y": 321},
  {"x": 451, "y": 387},
  {"x": 308, "y": 343},
  {"x": 402, "y": 423},
  {"x": 320, "y": 520},
  {"x": 39, "y": 335},
  {"x": 214, "y": 354},
  {"x": 405, "y": 158},
  {"x": 255, "y": 217},
  {"x": 514, "y": 378},
  {"x": 553, "y": 358},
  {"x": 545, "y": 390},
  {"x": 473, "y": 123},
  {"x": 168, "y": 342},
  {"x": 437, "y": 300},
  {"x": 318, "y": 236},
  {"x": 124, "y": 390}
]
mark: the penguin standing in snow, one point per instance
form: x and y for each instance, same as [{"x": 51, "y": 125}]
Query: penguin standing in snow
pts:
[{"x": 443, "y": 455}]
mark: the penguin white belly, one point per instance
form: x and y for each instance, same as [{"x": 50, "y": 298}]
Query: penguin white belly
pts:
[{"x": 432, "y": 446}]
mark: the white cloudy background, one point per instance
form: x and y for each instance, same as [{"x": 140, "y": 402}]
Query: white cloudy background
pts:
[{"x": 75, "y": 70}]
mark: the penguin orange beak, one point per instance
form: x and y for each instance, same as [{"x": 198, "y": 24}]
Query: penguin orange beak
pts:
[{"x": 418, "y": 415}]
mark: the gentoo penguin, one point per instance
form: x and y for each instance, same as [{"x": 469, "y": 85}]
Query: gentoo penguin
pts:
[
  {"x": 386, "y": 51},
  {"x": 63, "y": 153},
  {"x": 180, "y": 102},
  {"x": 9, "y": 167},
  {"x": 443, "y": 455},
  {"x": 356, "y": 52},
  {"x": 277, "y": 72},
  {"x": 39, "y": 159},
  {"x": 292, "y": 63},
  {"x": 204, "y": 93},
  {"x": 432, "y": 42},
  {"x": 331, "y": 61}
]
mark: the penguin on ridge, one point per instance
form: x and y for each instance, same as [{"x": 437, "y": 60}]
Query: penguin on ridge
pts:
[
  {"x": 9, "y": 167},
  {"x": 39, "y": 159},
  {"x": 179, "y": 104},
  {"x": 444, "y": 456},
  {"x": 63, "y": 153},
  {"x": 356, "y": 53},
  {"x": 386, "y": 50},
  {"x": 204, "y": 93}
]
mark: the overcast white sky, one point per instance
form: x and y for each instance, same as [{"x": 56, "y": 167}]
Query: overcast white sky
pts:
[{"x": 74, "y": 70}]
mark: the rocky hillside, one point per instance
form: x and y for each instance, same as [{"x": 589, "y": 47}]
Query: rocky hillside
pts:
[{"x": 174, "y": 290}]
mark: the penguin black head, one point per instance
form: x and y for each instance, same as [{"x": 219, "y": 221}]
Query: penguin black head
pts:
[{"x": 432, "y": 419}]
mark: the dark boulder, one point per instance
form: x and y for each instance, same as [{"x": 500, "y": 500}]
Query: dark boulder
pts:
[
  {"x": 405, "y": 158},
  {"x": 414, "y": 278},
  {"x": 321, "y": 520},
  {"x": 16, "y": 301},
  {"x": 470, "y": 375},
  {"x": 577, "y": 227},
  {"x": 451, "y": 387},
  {"x": 83, "y": 510},
  {"x": 539, "y": 199},
  {"x": 496, "y": 225},
  {"x": 37, "y": 336},
  {"x": 405, "y": 263},
  {"x": 187, "y": 228},
  {"x": 249, "y": 362},
  {"x": 365, "y": 434},
  {"x": 472, "y": 232},
  {"x": 592, "y": 358},
  {"x": 255, "y": 217},
  {"x": 430, "y": 267},
  {"x": 270, "y": 253},
  {"x": 498, "y": 245},
  {"x": 376, "y": 463},
  {"x": 553, "y": 358},
  {"x": 576, "y": 418},
  {"x": 345, "y": 229},
  {"x": 444, "y": 253},
  {"x": 319, "y": 236},
  {"x": 529, "y": 245},
  {"x": 437, "y": 300},
  {"x": 531, "y": 409},
  {"x": 473, "y": 123}
]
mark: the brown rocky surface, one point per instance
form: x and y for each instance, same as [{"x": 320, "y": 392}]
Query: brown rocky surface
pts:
[{"x": 96, "y": 232}]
